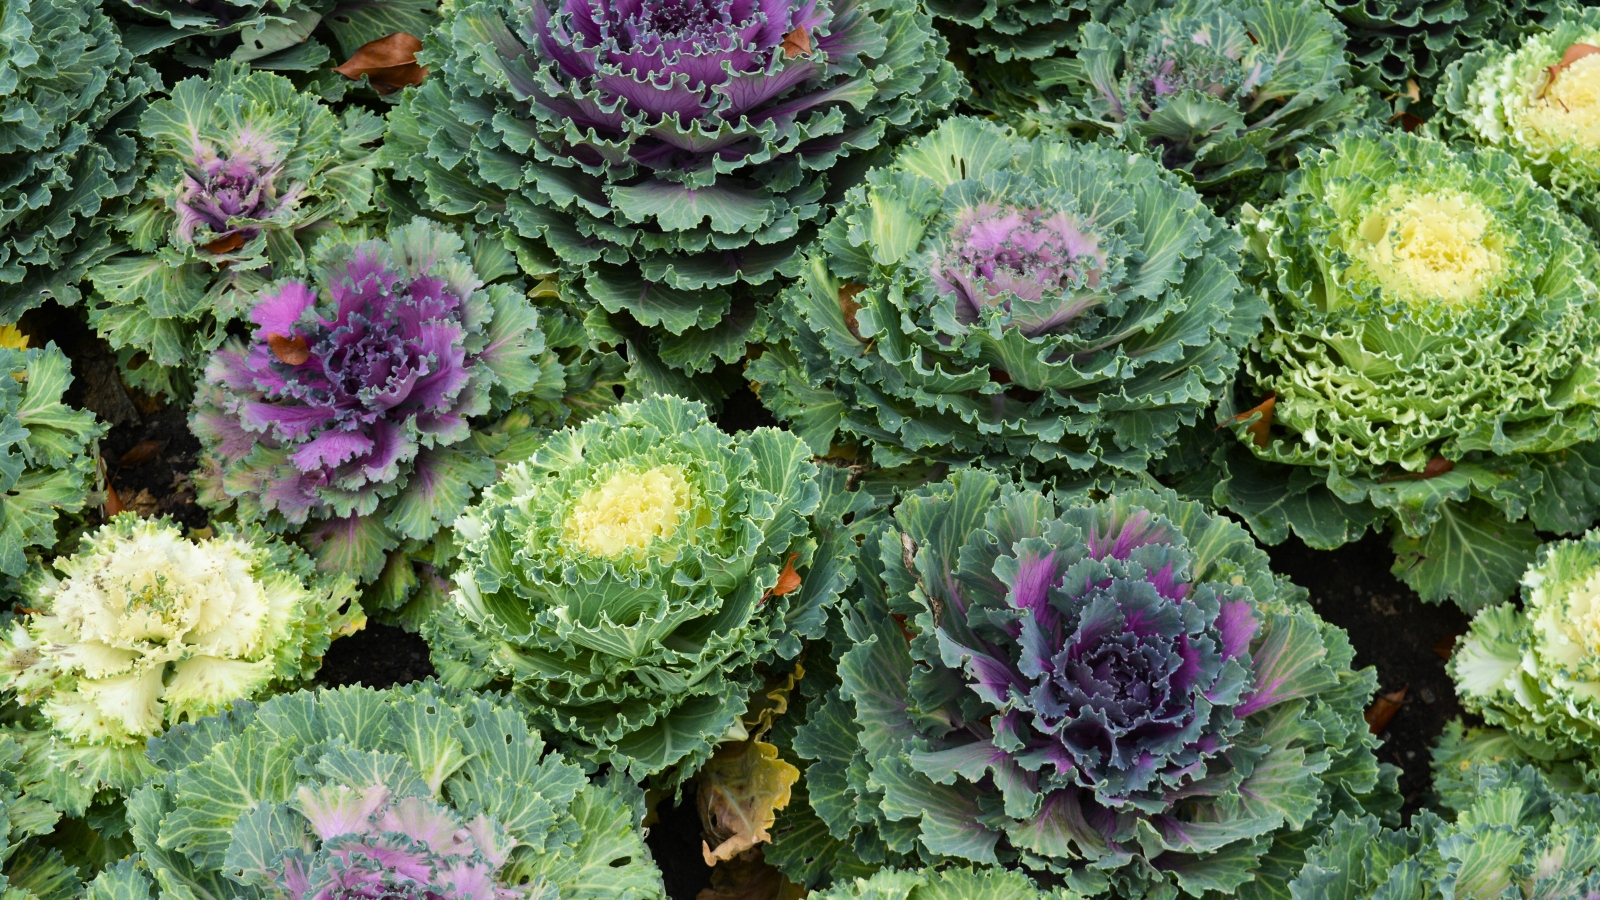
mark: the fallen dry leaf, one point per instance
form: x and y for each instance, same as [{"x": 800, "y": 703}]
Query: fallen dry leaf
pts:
[
  {"x": 1445, "y": 647},
  {"x": 1573, "y": 54},
  {"x": 113, "y": 504},
  {"x": 1261, "y": 429},
  {"x": 739, "y": 793},
  {"x": 788, "y": 579},
  {"x": 1383, "y": 708},
  {"x": 796, "y": 42},
  {"x": 290, "y": 350},
  {"x": 140, "y": 453},
  {"x": 1433, "y": 469},
  {"x": 389, "y": 63},
  {"x": 144, "y": 504},
  {"x": 749, "y": 877},
  {"x": 227, "y": 243},
  {"x": 772, "y": 701},
  {"x": 849, "y": 306}
]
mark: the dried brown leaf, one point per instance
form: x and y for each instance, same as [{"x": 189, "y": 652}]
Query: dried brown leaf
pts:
[
  {"x": 289, "y": 350},
  {"x": 226, "y": 244},
  {"x": 1261, "y": 429},
  {"x": 739, "y": 793},
  {"x": 788, "y": 579},
  {"x": 1383, "y": 708},
  {"x": 796, "y": 42},
  {"x": 389, "y": 63},
  {"x": 849, "y": 306},
  {"x": 140, "y": 453}
]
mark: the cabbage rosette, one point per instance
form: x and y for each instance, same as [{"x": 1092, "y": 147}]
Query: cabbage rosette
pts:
[
  {"x": 373, "y": 400},
  {"x": 989, "y": 298},
  {"x": 678, "y": 152},
  {"x": 634, "y": 574},
  {"x": 247, "y": 173},
  {"x": 1539, "y": 102},
  {"x": 1431, "y": 361},
  {"x": 1517, "y": 837},
  {"x": 1011, "y": 30},
  {"x": 1116, "y": 691},
  {"x": 47, "y": 449},
  {"x": 1221, "y": 90},
  {"x": 955, "y": 883},
  {"x": 1535, "y": 671},
  {"x": 70, "y": 97},
  {"x": 143, "y": 628},
  {"x": 411, "y": 792}
]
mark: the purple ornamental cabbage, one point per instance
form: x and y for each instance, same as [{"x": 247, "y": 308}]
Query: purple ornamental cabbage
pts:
[
  {"x": 220, "y": 189},
  {"x": 672, "y": 149},
  {"x": 1118, "y": 691},
  {"x": 349, "y": 412},
  {"x": 413, "y": 793}
]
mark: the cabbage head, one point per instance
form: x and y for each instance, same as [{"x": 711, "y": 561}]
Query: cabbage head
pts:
[
  {"x": 1224, "y": 91},
  {"x": 412, "y": 792},
  {"x": 1535, "y": 671},
  {"x": 377, "y": 395},
  {"x": 1462, "y": 751},
  {"x": 1432, "y": 361},
  {"x": 247, "y": 173},
  {"x": 1118, "y": 691},
  {"x": 1540, "y": 102},
  {"x": 1518, "y": 838},
  {"x": 988, "y": 298},
  {"x": 70, "y": 98},
  {"x": 1401, "y": 49},
  {"x": 678, "y": 152},
  {"x": 634, "y": 576},
  {"x": 143, "y": 628},
  {"x": 956, "y": 883},
  {"x": 47, "y": 449}
]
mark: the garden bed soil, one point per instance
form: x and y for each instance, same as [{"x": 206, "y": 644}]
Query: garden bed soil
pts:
[{"x": 150, "y": 454}]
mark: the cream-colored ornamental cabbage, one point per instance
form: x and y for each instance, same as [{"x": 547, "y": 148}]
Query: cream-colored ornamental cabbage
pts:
[
  {"x": 143, "y": 628},
  {"x": 1536, "y": 671},
  {"x": 1540, "y": 102}
]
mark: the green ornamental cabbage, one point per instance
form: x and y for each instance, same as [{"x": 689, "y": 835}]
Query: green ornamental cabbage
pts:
[
  {"x": 987, "y": 298},
  {"x": 1224, "y": 91},
  {"x": 1461, "y": 752},
  {"x": 1540, "y": 102},
  {"x": 247, "y": 173},
  {"x": 70, "y": 97},
  {"x": 1519, "y": 839},
  {"x": 28, "y": 871},
  {"x": 634, "y": 574},
  {"x": 1402, "y": 48},
  {"x": 680, "y": 153},
  {"x": 1535, "y": 671},
  {"x": 954, "y": 883},
  {"x": 143, "y": 628},
  {"x": 1009, "y": 30},
  {"x": 47, "y": 449},
  {"x": 412, "y": 792},
  {"x": 1432, "y": 360},
  {"x": 1118, "y": 692}
]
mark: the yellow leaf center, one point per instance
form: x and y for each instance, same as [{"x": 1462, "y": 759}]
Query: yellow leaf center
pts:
[
  {"x": 1433, "y": 247},
  {"x": 1569, "y": 111},
  {"x": 625, "y": 513}
]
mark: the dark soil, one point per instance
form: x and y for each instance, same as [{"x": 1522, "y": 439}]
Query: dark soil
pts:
[
  {"x": 674, "y": 841},
  {"x": 1393, "y": 631},
  {"x": 377, "y": 656}
]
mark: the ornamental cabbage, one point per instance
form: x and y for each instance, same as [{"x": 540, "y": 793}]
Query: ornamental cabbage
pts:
[
  {"x": 1519, "y": 838},
  {"x": 70, "y": 96},
  {"x": 636, "y": 573},
  {"x": 990, "y": 298},
  {"x": 1402, "y": 48},
  {"x": 247, "y": 173},
  {"x": 943, "y": 884},
  {"x": 1221, "y": 90},
  {"x": 1006, "y": 30},
  {"x": 1461, "y": 752},
  {"x": 1539, "y": 102},
  {"x": 679, "y": 152},
  {"x": 1433, "y": 360},
  {"x": 372, "y": 401},
  {"x": 143, "y": 628},
  {"x": 1536, "y": 671},
  {"x": 1117, "y": 691},
  {"x": 47, "y": 449},
  {"x": 30, "y": 871},
  {"x": 412, "y": 792}
]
